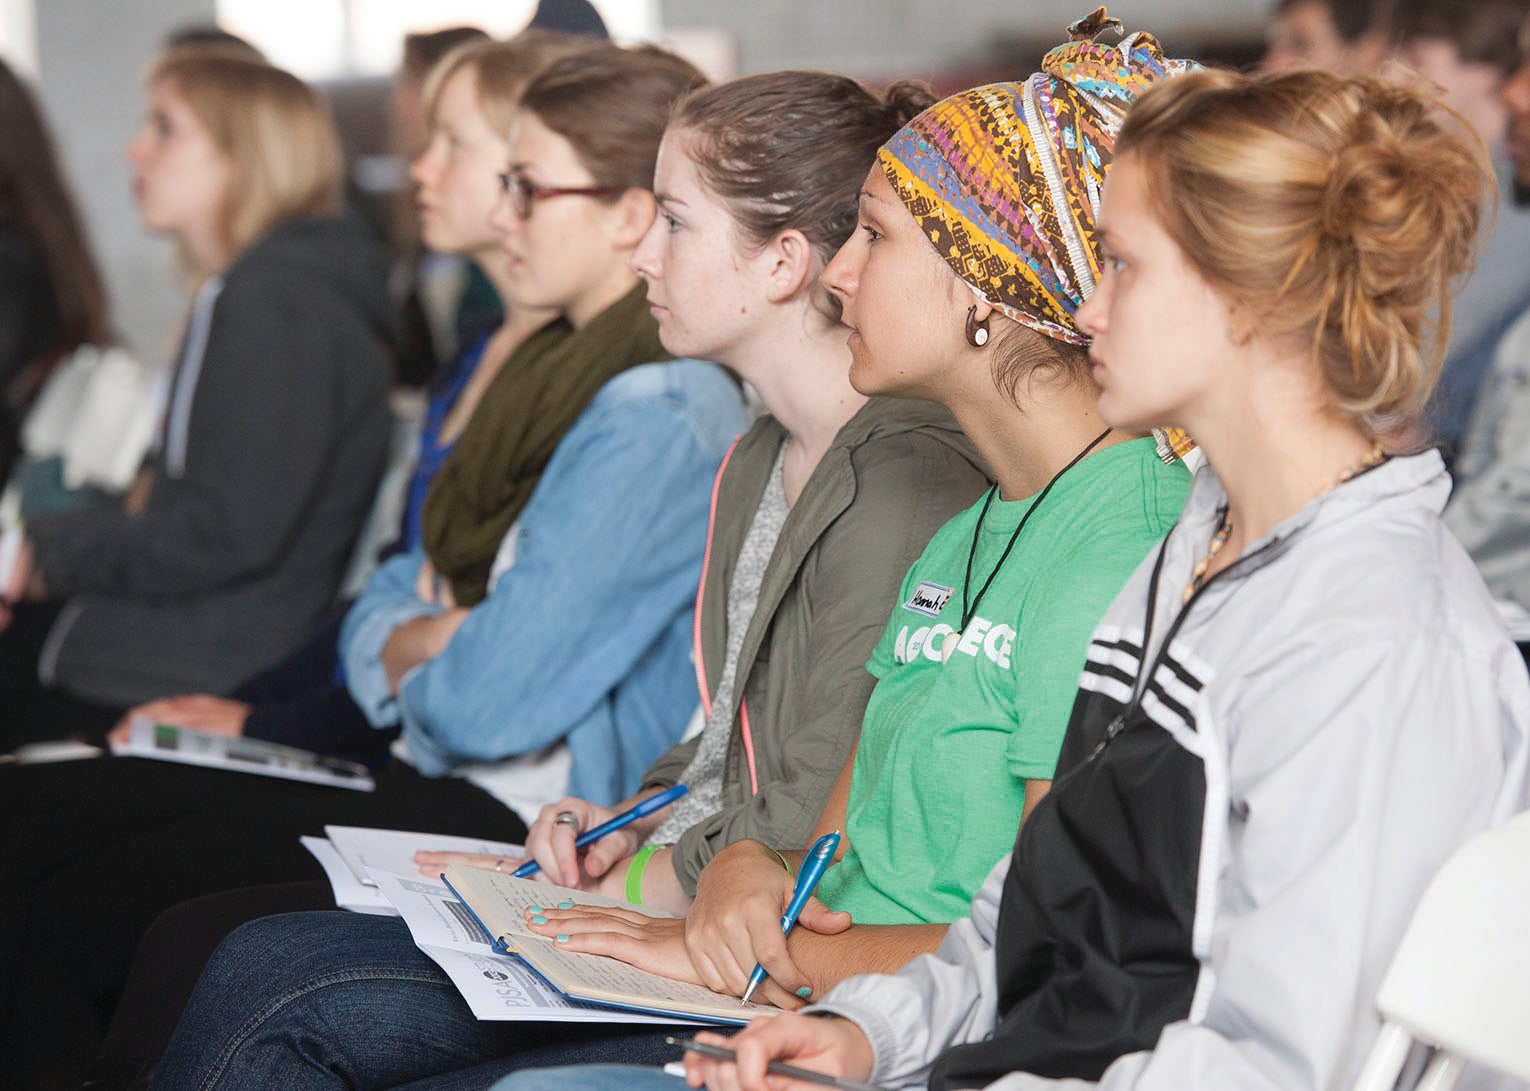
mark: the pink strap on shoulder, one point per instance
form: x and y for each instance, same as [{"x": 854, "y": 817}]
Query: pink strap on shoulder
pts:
[{"x": 706, "y": 563}]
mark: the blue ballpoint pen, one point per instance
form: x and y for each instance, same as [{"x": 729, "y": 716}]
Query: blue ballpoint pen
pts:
[
  {"x": 819, "y": 857},
  {"x": 646, "y": 807}
]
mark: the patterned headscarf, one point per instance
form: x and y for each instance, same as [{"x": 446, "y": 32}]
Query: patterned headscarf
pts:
[{"x": 1005, "y": 179}]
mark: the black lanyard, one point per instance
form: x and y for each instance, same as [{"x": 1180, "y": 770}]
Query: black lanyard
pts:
[{"x": 1145, "y": 671}]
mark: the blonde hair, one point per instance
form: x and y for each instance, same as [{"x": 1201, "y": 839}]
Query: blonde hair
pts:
[
  {"x": 274, "y": 130},
  {"x": 501, "y": 71},
  {"x": 1338, "y": 212}
]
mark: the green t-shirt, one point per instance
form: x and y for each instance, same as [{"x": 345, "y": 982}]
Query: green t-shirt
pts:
[{"x": 945, "y": 750}]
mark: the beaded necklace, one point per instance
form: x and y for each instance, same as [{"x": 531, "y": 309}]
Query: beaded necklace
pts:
[{"x": 1225, "y": 527}]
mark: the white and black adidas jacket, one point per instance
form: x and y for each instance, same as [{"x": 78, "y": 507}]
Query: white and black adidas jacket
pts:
[{"x": 1214, "y": 887}]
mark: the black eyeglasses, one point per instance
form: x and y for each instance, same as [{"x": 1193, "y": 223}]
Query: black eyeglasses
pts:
[{"x": 524, "y": 193}]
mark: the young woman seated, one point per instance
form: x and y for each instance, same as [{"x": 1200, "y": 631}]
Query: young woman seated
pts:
[{"x": 233, "y": 542}]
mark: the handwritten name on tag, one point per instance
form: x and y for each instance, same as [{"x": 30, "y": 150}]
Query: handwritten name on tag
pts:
[{"x": 928, "y": 599}]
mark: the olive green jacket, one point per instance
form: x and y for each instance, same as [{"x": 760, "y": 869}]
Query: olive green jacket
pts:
[{"x": 894, "y": 474}]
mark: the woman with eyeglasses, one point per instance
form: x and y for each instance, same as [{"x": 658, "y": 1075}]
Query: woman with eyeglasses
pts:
[{"x": 536, "y": 644}]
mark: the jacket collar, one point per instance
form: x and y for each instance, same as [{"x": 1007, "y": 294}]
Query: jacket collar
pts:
[
  {"x": 1417, "y": 480},
  {"x": 829, "y": 491}
]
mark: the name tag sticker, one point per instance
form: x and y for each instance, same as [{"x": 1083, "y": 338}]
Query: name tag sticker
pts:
[{"x": 928, "y": 599}]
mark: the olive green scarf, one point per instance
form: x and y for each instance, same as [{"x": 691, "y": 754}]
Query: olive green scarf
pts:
[{"x": 501, "y": 455}]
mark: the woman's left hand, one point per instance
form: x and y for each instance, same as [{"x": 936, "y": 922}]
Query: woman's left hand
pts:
[{"x": 655, "y": 944}]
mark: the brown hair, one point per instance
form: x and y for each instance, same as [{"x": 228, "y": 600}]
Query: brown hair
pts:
[
  {"x": 501, "y": 71},
  {"x": 612, "y": 105},
  {"x": 1483, "y": 31},
  {"x": 423, "y": 50},
  {"x": 37, "y": 203},
  {"x": 1351, "y": 18},
  {"x": 272, "y": 127},
  {"x": 1336, "y": 211},
  {"x": 791, "y": 150}
]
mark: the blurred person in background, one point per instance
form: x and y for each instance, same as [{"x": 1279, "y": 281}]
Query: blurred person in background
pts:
[
  {"x": 1489, "y": 510},
  {"x": 1343, "y": 36},
  {"x": 1466, "y": 50},
  {"x": 426, "y": 338},
  {"x": 569, "y": 17},
  {"x": 231, "y": 545},
  {"x": 209, "y": 36},
  {"x": 51, "y": 297}
]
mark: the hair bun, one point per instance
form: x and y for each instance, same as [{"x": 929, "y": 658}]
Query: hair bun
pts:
[
  {"x": 1395, "y": 190},
  {"x": 906, "y": 100}
]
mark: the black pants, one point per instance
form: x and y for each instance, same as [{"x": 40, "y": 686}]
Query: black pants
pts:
[
  {"x": 166, "y": 967},
  {"x": 91, "y": 852},
  {"x": 30, "y": 711}
]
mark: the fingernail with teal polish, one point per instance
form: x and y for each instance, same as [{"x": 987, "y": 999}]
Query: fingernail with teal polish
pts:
[
  {"x": 534, "y": 909},
  {"x": 565, "y": 905},
  {"x": 561, "y": 939},
  {"x": 805, "y": 991},
  {"x": 539, "y": 919}
]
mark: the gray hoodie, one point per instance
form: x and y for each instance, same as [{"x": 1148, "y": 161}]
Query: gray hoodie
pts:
[{"x": 274, "y": 441}]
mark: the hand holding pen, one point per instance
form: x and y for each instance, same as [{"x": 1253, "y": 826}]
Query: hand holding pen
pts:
[
  {"x": 540, "y": 843},
  {"x": 818, "y": 858},
  {"x": 643, "y": 808}
]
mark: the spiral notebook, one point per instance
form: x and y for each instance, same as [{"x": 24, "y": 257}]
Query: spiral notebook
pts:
[{"x": 498, "y": 902}]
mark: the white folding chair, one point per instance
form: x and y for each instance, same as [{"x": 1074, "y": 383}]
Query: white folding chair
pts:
[{"x": 1460, "y": 980}]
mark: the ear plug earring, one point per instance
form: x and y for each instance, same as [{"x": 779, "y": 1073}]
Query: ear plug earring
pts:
[{"x": 977, "y": 332}]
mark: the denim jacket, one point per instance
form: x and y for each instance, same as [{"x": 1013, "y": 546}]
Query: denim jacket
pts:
[{"x": 585, "y": 635}]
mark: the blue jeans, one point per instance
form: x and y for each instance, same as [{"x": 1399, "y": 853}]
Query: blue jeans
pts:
[
  {"x": 332, "y": 1000},
  {"x": 592, "y": 1077}
]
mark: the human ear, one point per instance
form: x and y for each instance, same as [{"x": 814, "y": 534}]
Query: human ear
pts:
[
  {"x": 975, "y": 326},
  {"x": 1239, "y": 326},
  {"x": 634, "y": 212},
  {"x": 789, "y": 258}
]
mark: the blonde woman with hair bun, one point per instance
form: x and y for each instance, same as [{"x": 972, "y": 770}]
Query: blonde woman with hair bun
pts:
[{"x": 1302, "y": 702}]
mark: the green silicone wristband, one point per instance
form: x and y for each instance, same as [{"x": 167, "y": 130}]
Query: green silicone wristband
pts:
[
  {"x": 787, "y": 864},
  {"x": 635, "y": 868}
]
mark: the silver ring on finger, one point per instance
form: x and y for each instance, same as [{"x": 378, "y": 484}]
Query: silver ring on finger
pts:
[
  {"x": 499, "y": 865},
  {"x": 567, "y": 818}
]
